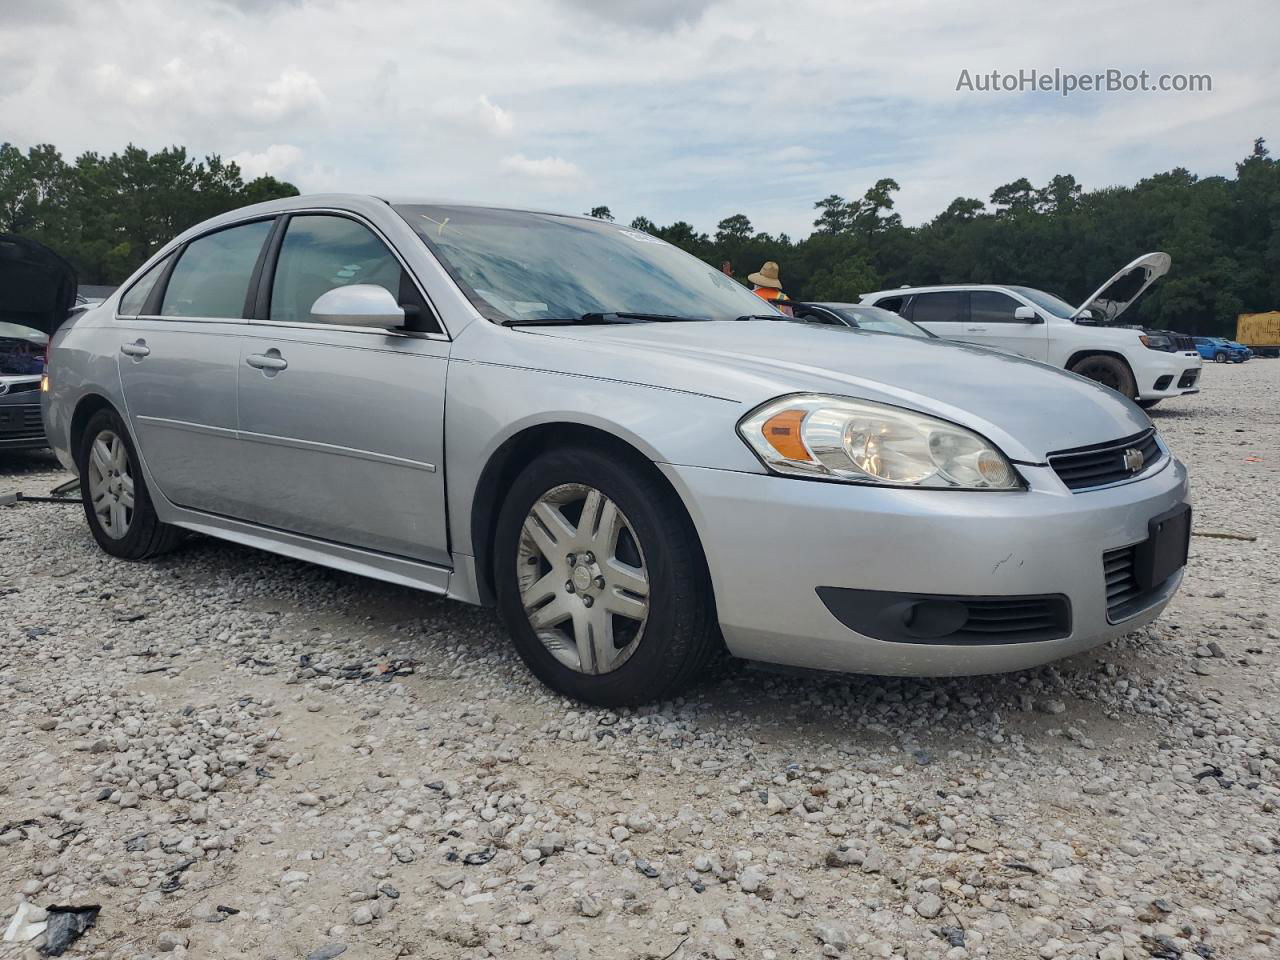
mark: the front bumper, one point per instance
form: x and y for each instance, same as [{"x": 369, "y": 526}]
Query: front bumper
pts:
[
  {"x": 1168, "y": 375},
  {"x": 771, "y": 542}
]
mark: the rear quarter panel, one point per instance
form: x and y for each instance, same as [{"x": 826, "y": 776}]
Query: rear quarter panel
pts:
[{"x": 82, "y": 363}]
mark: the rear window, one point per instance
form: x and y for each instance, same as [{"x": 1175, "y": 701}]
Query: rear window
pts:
[
  {"x": 212, "y": 277},
  {"x": 951, "y": 306},
  {"x": 135, "y": 298}
]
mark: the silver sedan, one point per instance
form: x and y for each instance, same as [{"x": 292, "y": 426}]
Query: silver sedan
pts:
[{"x": 616, "y": 445}]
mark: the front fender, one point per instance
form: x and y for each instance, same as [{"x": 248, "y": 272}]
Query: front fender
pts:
[{"x": 489, "y": 404}]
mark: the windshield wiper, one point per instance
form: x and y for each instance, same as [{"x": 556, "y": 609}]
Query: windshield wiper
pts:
[
  {"x": 763, "y": 316},
  {"x": 604, "y": 318}
]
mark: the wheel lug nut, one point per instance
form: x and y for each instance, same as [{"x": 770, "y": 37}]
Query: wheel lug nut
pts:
[
  {"x": 571, "y": 559},
  {"x": 586, "y": 600},
  {"x": 599, "y": 582},
  {"x": 588, "y": 557},
  {"x": 568, "y": 585}
]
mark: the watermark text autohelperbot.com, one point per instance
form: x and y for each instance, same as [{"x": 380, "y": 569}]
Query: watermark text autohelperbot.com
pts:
[{"x": 1065, "y": 83}]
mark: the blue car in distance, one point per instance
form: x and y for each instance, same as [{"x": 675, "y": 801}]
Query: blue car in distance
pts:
[{"x": 1222, "y": 350}]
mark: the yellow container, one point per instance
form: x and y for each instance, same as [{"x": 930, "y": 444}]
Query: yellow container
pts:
[{"x": 1258, "y": 329}]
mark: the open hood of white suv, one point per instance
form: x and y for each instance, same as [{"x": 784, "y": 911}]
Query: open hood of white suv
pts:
[{"x": 1114, "y": 297}]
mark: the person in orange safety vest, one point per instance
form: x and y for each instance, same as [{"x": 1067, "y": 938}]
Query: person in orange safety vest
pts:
[{"x": 767, "y": 286}]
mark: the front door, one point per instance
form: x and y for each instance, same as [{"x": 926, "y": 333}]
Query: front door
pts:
[
  {"x": 179, "y": 359},
  {"x": 342, "y": 429}
]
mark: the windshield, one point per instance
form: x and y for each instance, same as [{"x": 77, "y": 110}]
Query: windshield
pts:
[
  {"x": 878, "y": 320},
  {"x": 1047, "y": 301},
  {"x": 21, "y": 351},
  {"x": 526, "y": 267}
]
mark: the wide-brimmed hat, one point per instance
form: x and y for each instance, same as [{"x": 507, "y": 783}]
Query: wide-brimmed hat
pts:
[{"x": 767, "y": 277}]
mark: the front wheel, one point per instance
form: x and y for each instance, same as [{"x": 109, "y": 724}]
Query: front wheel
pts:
[
  {"x": 601, "y": 580},
  {"x": 1110, "y": 372},
  {"x": 117, "y": 504},
  {"x": 1219, "y": 357}
]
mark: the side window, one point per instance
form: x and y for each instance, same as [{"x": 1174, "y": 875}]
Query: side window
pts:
[
  {"x": 891, "y": 303},
  {"x": 943, "y": 307},
  {"x": 212, "y": 277},
  {"x": 990, "y": 306},
  {"x": 322, "y": 252},
  {"x": 135, "y": 298},
  {"x": 820, "y": 317}
]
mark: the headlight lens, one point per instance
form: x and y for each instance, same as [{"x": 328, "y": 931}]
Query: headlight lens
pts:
[
  {"x": 1156, "y": 342},
  {"x": 862, "y": 442}
]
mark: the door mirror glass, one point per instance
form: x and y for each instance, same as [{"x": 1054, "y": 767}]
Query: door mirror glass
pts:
[
  {"x": 358, "y": 305},
  {"x": 1026, "y": 314}
]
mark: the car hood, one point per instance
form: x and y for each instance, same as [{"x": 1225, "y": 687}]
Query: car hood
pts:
[
  {"x": 1114, "y": 297},
  {"x": 39, "y": 286},
  {"x": 1029, "y": 409}
]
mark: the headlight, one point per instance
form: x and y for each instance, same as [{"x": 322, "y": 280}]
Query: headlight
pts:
[
  {"x": 1155, "y": 341},
  {"x": 858, "y": 441}
]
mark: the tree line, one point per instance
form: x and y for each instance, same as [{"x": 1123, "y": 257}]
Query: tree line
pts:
[
  {"x": 1223, "y": 234},
  {"x": 106, "y": 215}
]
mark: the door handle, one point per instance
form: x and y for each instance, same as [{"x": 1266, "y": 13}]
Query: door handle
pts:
[
  {"x": 138, "y": 349},
  {"x": 271, "y": 360},
  {"x": 977, "y": 329}
]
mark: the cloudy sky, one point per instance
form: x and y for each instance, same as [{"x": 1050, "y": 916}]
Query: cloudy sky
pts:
[{"x": 675, "y": 109}]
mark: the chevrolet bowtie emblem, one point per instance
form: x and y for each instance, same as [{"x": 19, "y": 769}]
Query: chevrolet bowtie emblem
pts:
[{"x": 1133, "y": 460}]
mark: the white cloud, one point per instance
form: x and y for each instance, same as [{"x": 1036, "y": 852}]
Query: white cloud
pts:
[
  {"x": 292, "y": 92},
  {"x": 499, "y": 122},
  {"x": 279, "y": 160},
  {"x": 543, "y": 168},
  {"x": 675, "y": 110}
]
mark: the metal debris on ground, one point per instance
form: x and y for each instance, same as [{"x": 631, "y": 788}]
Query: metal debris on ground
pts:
[{"x": 66, "y": 926}]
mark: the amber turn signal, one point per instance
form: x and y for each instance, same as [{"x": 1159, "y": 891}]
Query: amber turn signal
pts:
[{"x": 782, "y": 430}]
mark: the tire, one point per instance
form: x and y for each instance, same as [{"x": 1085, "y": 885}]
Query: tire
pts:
[
  {"x": 654, "y": 547},
  {"x": 128, "y": 532},
  {"x": 1219, "y": 357},
  {"x": 1109, "y": 371},
  {"x": 1148, "y": 404}
]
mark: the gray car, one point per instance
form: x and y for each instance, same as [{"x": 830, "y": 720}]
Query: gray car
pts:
[{"x": 615, "y": 444}]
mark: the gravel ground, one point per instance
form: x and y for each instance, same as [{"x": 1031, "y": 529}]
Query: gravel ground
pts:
[{"x": 237, "y": 755}]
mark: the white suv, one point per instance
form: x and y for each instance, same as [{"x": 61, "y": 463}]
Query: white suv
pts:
[{"x": 1146, "y": 366}]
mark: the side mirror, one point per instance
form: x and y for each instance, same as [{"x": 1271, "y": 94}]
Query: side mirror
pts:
[
  {"x": 1026, "y": 315},
  {"x": 358, "y": 305}
]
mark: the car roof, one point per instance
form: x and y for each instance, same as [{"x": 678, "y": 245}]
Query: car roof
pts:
[
  {"x": 365, "y": 203},
  {"x": 939, "y": 288}
]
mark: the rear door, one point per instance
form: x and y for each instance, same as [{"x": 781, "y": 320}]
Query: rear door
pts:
[
  {"x": 992, "y": 324},
  {"x": 179, "y": 327},
  {"x": 342, "y": 427},
  {"x": 942, "y": 312}
]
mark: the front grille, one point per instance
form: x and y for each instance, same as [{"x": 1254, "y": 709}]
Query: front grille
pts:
[
  {"x": 27, "y": 425},
  {"x": 29, "y": 387},
  {"x": 1189, "y": 378},
  {"x": 1084, "y": 468},
  {"x": 1013, "y": 620}
]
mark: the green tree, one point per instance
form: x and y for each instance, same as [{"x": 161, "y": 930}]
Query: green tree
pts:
[
  {"x": 734, "y": 229},
  {"x": 600, "y": 213}
]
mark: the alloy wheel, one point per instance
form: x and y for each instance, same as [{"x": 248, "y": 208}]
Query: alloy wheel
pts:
[
  {"x": 110, "y": 479},
  {"x": 583, "y": 579}
]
